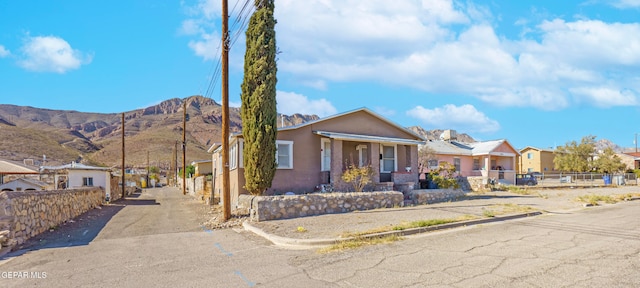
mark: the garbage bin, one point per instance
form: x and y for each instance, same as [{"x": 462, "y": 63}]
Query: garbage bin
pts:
[
  {"x": 607, "y": 179},
  {"x": 618, "y": 180}
]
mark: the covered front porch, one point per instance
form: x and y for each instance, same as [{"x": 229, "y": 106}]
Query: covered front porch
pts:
[{"x": 393, "y": 161}]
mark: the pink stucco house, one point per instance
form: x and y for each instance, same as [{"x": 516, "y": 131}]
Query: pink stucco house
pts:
[
  {"x": 491, "y": 159},
  {"x": 313, "y": 155}
]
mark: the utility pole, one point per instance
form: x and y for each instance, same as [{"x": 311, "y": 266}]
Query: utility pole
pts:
[
  {"x": 123, "y": 172},
  {"x": 184, "y": 148},
  {"x": 147, "y": 168},
  {"x": 173, "y": 164},
  {"x": 226, "y": 197}
]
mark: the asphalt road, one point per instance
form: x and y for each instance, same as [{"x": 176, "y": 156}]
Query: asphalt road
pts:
[{"x": 156, "y": 240}]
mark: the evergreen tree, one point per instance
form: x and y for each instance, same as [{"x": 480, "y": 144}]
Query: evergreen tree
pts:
[{"x": 258, "y": 111}]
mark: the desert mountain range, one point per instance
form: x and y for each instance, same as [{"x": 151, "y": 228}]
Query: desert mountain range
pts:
[{"x": 95, "y": 138}]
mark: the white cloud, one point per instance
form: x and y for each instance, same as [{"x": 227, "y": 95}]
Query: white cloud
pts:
[
  {"x": 290, "y": 103},
  {"x": 447, "y": 47},
  {"x": 606, "y": 97},
  {"x": 4, "y": 52},
  {"x": 465, "y": 117},
  {"x": 623, "y": 4},
  {"x": 51, "y": 54}
]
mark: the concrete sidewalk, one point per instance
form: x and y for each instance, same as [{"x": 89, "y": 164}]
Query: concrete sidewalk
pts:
[{"x": 323, "y": 230}]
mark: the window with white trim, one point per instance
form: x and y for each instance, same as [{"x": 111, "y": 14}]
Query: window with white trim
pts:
[
  {"x": 456, "y": 163},
  {"x": 284, "y": 154},
  {"x": 325, "y": 154},
  {"x": 233, "y": 156},
  {"x": 388, "y": 161},
  {"x": 87, "y": 181}
]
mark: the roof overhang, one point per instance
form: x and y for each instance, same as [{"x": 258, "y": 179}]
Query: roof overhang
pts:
[{"x": 367, "y": 138}]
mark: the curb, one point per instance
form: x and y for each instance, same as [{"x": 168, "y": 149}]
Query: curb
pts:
[{"x": 315, "y": 243}]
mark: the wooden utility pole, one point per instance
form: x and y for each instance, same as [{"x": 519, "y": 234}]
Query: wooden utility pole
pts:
[
  {"x": 226, "y": 197},
  {"x": 147, "y": 168},
  {"x": 173, "y": 164},
  {"x": 123, "y": 172},
  {"x": 184, "y": 148}
]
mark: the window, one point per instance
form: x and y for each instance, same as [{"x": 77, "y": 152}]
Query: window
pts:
[
  {"x": 388, "y": 161},
  {"x": 233, "y": 156},
  {"x": 363, "y": 155},
  {"x": 529, "y": 155},
  {"x": 476, "y": 164},
  {"x": 284, "y": 154},
  {"x": 456, "y": 163},
  {"x": 433, "y": 163},
  {"x": 87, "y": 181},
  {"x": 325, "y": 154},
  {"x": 529, "y": 170}
]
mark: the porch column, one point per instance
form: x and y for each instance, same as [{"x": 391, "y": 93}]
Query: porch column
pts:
[
  {"x": 413, "y": 161},
  {"x": 336, "y": 163},
  {"x": 375, "y": 162}
]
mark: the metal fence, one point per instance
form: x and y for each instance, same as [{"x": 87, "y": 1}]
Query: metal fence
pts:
[{"x": 586, "y": 179}]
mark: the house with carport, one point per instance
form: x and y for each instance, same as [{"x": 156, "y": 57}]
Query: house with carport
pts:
[
  {"x": 313, "y": 156},
  {"x": 494, "y": 159}
]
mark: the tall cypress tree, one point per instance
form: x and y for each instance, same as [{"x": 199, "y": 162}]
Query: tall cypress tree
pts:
[{"x": 258, "y": 111}]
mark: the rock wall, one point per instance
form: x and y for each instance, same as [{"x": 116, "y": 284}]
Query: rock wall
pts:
[
  {"x": 430, "y": 196},
  {"x": 27, "y": 214},
  {"x": 264, "y": 208}
]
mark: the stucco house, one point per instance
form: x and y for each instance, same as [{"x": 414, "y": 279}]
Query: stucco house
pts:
[
  {"x": 76, "y": 175},
  {"x": 533, "y": 159},
  {"x": 25, "y": 184},
  {"x": 202, "y": 167},
  {"x": 490, "y": 159},
  {"x": 313, "y": 156}
]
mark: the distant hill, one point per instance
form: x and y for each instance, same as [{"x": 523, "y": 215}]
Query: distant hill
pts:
[
  {"x": 435, "y": 134},
  {"x": 95, "y": 138}
]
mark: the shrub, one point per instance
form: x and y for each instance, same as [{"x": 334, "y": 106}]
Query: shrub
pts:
[{"x": 358, "y": 177}]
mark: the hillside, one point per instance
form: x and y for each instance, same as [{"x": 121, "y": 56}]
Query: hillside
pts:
[
  {"x": 65, "y": 136},
  {"x": 435, "y": 134}
]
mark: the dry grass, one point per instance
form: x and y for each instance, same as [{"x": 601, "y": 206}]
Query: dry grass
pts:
[
  {"x": 359, "y": 242},
  {"x": 595, "y": 200},
  {"x": 408, "y": 225},
  {"x": 504, "y": 209}
]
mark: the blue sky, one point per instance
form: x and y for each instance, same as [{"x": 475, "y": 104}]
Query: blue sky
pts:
[{"x": 538, "y": 73}]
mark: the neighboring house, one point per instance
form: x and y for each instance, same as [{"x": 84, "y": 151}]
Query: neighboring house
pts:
[
  {"x": 534, "y": 159},
  {"x": 631, "y": 160},
  {"x": 76, "y": 175},
  {"x": 315, "y": 154},
  {"x": 202, "y": 167},
  {"x": 25, "y": 184},
  {"x": 490, "y": 159},
  {"x": 11, "y": 169}
]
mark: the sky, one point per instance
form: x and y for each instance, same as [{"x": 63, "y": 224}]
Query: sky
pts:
[{"x": 537, "y": 73}]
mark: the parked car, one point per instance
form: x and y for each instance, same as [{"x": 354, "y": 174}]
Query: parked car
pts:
[
  {"x": 526, "y": 179},
  {"x": 538, "y": 175}
]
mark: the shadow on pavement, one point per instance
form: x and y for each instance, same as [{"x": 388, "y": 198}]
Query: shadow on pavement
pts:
[{"x": 80, "y": 230}]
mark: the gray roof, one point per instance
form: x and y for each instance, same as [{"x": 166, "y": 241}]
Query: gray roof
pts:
[
  {"x": 10, "y": 168},
  {"x": 75, "y": 166},
  {"x": 367, "y": 138},
  {"x": 459, "y": 148},
  {"x": 33, "y": 182}
]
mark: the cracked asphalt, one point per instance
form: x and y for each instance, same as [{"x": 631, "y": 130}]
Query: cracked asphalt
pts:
[{"x": 154, "y": 242}]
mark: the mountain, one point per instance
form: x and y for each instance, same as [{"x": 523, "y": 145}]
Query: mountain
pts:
[
  {"x": 435, "y": 134},
  {"x": 95, "y": 138}
]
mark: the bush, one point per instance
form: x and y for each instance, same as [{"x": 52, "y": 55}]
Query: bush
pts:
[{"x": 358, "y": 177}]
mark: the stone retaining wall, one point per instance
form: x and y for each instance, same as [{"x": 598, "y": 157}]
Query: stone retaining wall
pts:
[
  {"x": 430, "y": 196},
  {"x": 262, "y": 208},
  {"x": 27, "y": 214}
]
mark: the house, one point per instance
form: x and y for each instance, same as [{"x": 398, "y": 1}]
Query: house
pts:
[
  {"x": 534, "y": 159},
  {"x": 313, "y": 155},
  {"x": 490, "y": 159},
  {"x": 76, "y": 175},
  {"x": 25, "y": 184},
  {"x": 202, "y": 167},
  {"x": 631, "y": 160},
  {"x": 10, "y": 169}
]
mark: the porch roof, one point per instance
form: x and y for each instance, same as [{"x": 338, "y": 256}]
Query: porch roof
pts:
[
  {"x": 367, "y": 138},
  {"x": 10, "y": 168}
]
